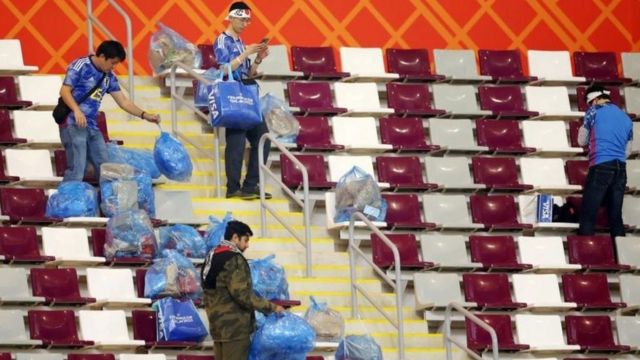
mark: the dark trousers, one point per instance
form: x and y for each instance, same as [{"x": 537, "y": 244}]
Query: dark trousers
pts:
[
  {"x": 606, "y": 182},
  {"x": 234, "y": 154},
  {"x": 232, "y": 350}
]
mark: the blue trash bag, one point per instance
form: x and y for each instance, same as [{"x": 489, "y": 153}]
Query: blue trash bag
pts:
[
  {"x": 172, "y": 158},
  {"x": 166, "y": 46},
  {"x": 178, "y": 320},
  {"x": 172, "y": 275},
  {"x": 358, "y": 347},
  {"x": 201, "y": 91},
  {"x": 279, "y": 119},
  {"x": 142, "y": 160},
  {"x": 130, "y": 234},
  {"x": 283, "y": 336},
  {"x": 118, "y": 189},
  {"x": 260, "y": 319},
  {"x": 184, "y": 239},
  {"x": 215, "y": 231},
  {"x": 73, "y": 198},
  {"x": 327, "y": 323},
  {"x": 269, "y": 280},
  {"x": 358, "y": 191},
  {"x": 146, "y": 196}
]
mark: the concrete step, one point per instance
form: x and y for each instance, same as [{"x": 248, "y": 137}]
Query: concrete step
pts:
[
  {"x": 328, "y": 270},
  {"x": 253, "y": 216},
  {"x": 422, "y": 353},
  {"x": 290, "y": 244},
  {"x": 211, "y": 203},
  {"x": 297, "y": 257},
  {"x": 343, "y": 298},
  {"x": 149, "y": 137},
  {"x": 331, "y": 284}
]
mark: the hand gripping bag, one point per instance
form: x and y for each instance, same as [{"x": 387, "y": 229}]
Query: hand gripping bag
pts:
[
  {"x": 327, "y": 323},
  {"x": 73, "y": 198},
  {"x": 130, "y": 234},
  {"x": 178, "y": 320},
  {"x": 184, "y": 239},
  {"x": 172, "y": 158},
  {"x": 358, "y": 347},
  {"x": 269, "y": 280},
  {"x": 233, "y": 104},
  {"x": 283, "y": 336}
]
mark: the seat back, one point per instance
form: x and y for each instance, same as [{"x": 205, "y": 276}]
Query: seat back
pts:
[
  {"x": 574, "y": 128},
  {"x": 493, "y": 171},
  {"x": 41, "y": 89},
  {"x": 108, "y": 326},
  {"x": 14, "y": 328},
  {"x": 545, "y": 134},
  {"x": 503, "y": 64},
  {"x": 102, "y": 125},
  {"x": 403, "y": 170},
  {"x": 65, "y": 242},
  {"x": 362, "y": 60},
  {"x": 277, "y": 62},
  {"x": 540, "y": 330},
  {"x": 90, "y": 357},
  {"x": 438, "y": 289},
  {"x": 630, "y": 289},
  {"x": 23, "y": 202},
  {"x": 20, "y": 242},
  {"x": 59, "y": 284},
  {"x": 631, "y": 64},
  {"x": 452, "y": 134},
  {"x": 11, "y": 53},
  {"x": 142, "y": 357},
  {"x": 455, "y": 63},
  {"x": 273, "y": 87},
  {"x": 307, "y": 95},
  {"x": 402, "y": 208},
  {"x": 633, "y": 173},
  {"x": 446, "y": 209},
  {"x": 486, "y": 288},
  {"x": 501, "y": 98},
  {"x": 98, "y": 237},
  {"x": 478, "y": 338},
  {"x": 110, "y": 283},
  {"x": 6, "y": 126},
  {"x": 455, "y": 98},
  {"x": 173, "y": 206},
  {"x": 541, "y": 250},
  {"x": 14, "y": 282},
  {"x": 631, "y": 211},
  {"x": 407, "y": 132},
  {"x": 39, "y": 356},
  {"x": 614, "y": 94},
  {"x": 340, "y": 165},
  {"x": 29, "y": 164},
  {"x": 407, "y": 248},
  {"x": 36, "y": 126},
  {"x": 628, "y": 328},
  {"x": 8, "y": 91},
  {"x": 589, "y": 330},
  {"x": 586, "y": 288},
  {"x": 408, "y": 61},
  {"x": 632, "y": 99},
  {"x": 549, "y": 64},
  {"x": 547, "y": 99},
  {"x": 408, "y": 97},
  {"x": 208, "y": 56},
  {"x": 493, "y": 250},
  {"x": 577, "y": 171},
  {"x": 590, "y": 250},
  {"x": 493, "y": 209},
  {"x": 602, "y": 221},
  {"x": 503, "y": 134},
  {"x": 199, "y": 357},
  {"x": 536, "y": 288},
  {"x": 145, "y": 324},
  {"x": 356, "y": 95},
  {"x": 344, "y": 127},
  {"x": 444, "y": 249},
  {"x": 292, "y": 176},
  {"x": 628, "y": 250},
  {"x": 313, "y": 59},
  {"x": 449, "y": 171},
  {"x": 596, "y": 65},
  {"x": 314, "y": 130},
  {"x": 541, "y": 172},
  {"x": 53, "y": 325}
]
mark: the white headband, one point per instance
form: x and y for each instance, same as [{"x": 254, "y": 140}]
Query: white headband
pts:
[
  {"x": 239, "y": 13},
  {"x": 594, "y": 94}
]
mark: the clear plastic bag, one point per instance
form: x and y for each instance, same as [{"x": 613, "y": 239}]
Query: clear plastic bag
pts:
[
  {"x": 184, "y": 239},
  {"x": 327, "y": 323},
  {"x": 142, "y": 160},
  {"x": 283, "y": 336},
  {"x": 172, "y": 275},
  {"x": 202, "y": 91},
  {"x": 73, "y": 198},
  {"x": 279, "y": 119},
  {"x": 215, "y": 231},
  {"x": 118, "y": 189},
  {"x": 358, "y": 191},
  {"x": 358, "y": 347},
  {"x": 167, "y": 46},
  {"x": 130, "y": 234},
  {"x": 172, "y": 158},
  {"x": 269, "y": 279}
]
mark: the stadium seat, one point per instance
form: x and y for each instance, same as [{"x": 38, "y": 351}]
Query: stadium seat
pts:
[
  {"x": 315, "y": 134},
  {"x": 454, "y": 136},
  {"x": 632, "y": 102},
  {"x": 448, "y": 251},
  {"x": 9, "y": 95},
  {"x": 24, "y": 205},
  {"x": 316, "y": 172},
  {"x": 479, "y": 339},
  {"x": 39, "y": 356},
  {"x": 208, "y": 56},
  {"x": 504, "y": 66},
  {"x": 448, "y": 211},
  {"x": 411, "y": 100},
  {"x": 437, "y": 290},
  {"x": 340, "y": 165},
  {"x": 106, "y": 328},
  {"x": 550, "y": 102},
  {"x": 55, "y": 328},
  {"x": 33, "y": 167},
  {"x": 90, "y": 357},
  {"x": 402, "y": 173},
  {"x": 6, "y": 130},
  {"x": 404, "y": 134},
  {"x": 360, "y": 99},
  {"x": 451, "y": 172},
  {"x": 14, "y": 288},
  {"x": 633, "y": 175},
  {"x": 628, "y": 250},
  {"x": 630, "y": 291},
  {"x": 539, "y": 292},
  {"x": 194, "y": 357},
  {"x": 458, "y": 100},
  {"x": 546, "y": 175},
  {"x": 104, "y": 129},
  {"x": 58, "y": 286},
  {"x": 97, "y": 246},
  {"x": 42, "y": 90},
  {"x": 631, "y": 212},
  {"x": 497, "y": 173},
  {"x": 501, "y": 137},
  {"x": 276, "y": 65},
  {"x": 600, "y": 67},
  {"x": 4, "y": 178},
  {"x": 614, "y": 93},
  {"x": 496, "y": 212},
  {"x": 543, "y": 333},
  {"x": 364, "y": 64},
  {"x": 316, "y": 62},
  {"x": 602, "y": 221},
  {"x": 411, "y": 64},
  {"x": 589, "y": 291},
  {"x": 275, "y": 88},
  {"x": 142, "y": 357},
  {"x": 458, "y": 65},
  {"x": 593, "y": 253},
  {"x": 13, "y": 333},
  {"x": 68, "y": 245},
  {"x": 312, "y": 98},
  {"x": 552, "y": 67},
  {"x": 175, "y": 207},
  {"x": 367, "y": 139},
  {"x": 548, "y": 137},
  {"x": 528, "y": 207},
  {"x": 113, "y": 288},
  {"x": 60, "y": 165},
  {"x": 37, "y": 127},
  {"x": 504, "y": 102},
  {"x": 574, "y": 128},
  {"x": 407, "y": 249},
  {"x": 11, "y": 56},
  {"x": 495, "y": 253},
  {"x": 635, "y": 145},
  {"x": 577, "y": 171},
  {"x": 631, "y": 65},
  {"x": 20, "y": 244},
  {"x": 403, "y": 212},
  {"x": 592, "y": 333},
  {"x": 330, "y": 212},
  {"x": 145, "y": 328},
  {"x": 489, "y": 291},
  {"x": 628, "y": 330}
]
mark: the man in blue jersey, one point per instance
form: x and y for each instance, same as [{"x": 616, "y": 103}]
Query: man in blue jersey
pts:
[
  {"x": 608, "y": 132},
  {"x": 229, "y": 49},
  {"x": 79, "y": 132}
]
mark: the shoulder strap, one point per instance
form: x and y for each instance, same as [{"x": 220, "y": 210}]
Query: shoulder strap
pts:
[{"x": 86, "y": 96}]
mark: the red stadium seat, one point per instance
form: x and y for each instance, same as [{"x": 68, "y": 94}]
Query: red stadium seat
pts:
[
  {"x": 577, "y": 171},
  {"x": 504, "y": 102},
  {"x": 501, "y": 137},
  {"x": 592, "y": 333},
  {"x": 504, "y": 66},
  {"x": 102, "y": 126},
  {"x": 407, "y": 248},
  {"x": 55, "y": 328},
  {"x": 402, "y": 173},
  {"x": 9, "y": 95},
  {"x": 599, "y": 67},
  {"x": 411, "y": 64},
  {"x": 496, "y": 212},
  {"x": 479, "y": 339},
  {"x": 195, "y": 357},
  {"x": 593, "y": 253},
  {"x": 316, "y": 171},
  {"x": 91, "y": 357},
  {"x": 315, "y": 134},
  {"x": 495, "y": 253},
  {"x": 614, "y": 93},
  {"x": 60, "y": 162},
  {"x": 497, "y": 173},
  {"x": 20, "y": 244},
  {"x": 208, "y": 56},
  {"x": 4, "y": 178},
  {"x": 403, "y": 212},
  {"x": 313, "y": 98},
  {"x": 25, "y": 205},
  {"x": 316, "y": 62},
  {"x": 6, "y": 130},
  {"x": 489, "y": 291},
  {"x": 58, "y": 286},
  {"x": 589, "y": 291},
  {"x": 411, "y": 100},
  {"x": 404, "y": 134},
  {"x": 145, "y": 327}
]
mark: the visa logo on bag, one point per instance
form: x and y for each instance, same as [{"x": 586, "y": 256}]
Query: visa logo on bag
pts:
[{"x": 545, "y": 208}]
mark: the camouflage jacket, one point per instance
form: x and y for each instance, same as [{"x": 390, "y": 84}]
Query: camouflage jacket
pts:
[{"x": 229, "y": 299}]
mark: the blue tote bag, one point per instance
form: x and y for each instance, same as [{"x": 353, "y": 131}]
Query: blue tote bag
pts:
[{"x": 233, "y": 104}]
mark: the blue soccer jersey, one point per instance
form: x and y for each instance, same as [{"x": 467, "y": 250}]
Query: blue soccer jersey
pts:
[
  {"x": 82, "y": 76},
  {"x": 226, "y": 48},
  {"x": 609, "y": 131}
]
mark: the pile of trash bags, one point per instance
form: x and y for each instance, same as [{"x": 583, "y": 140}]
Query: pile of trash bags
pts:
[
  {"x": 130, "y": 234},
  {"x": 284, "y": 336},
  {"x": 172, "y": 275}
]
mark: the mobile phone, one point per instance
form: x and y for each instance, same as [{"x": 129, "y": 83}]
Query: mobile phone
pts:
[{"x": 264, "y": 40}]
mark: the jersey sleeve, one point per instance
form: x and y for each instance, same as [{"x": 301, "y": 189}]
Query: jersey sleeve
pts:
[
  {"x": 72, "y": 76},
  {"x": 221, "y": 50},
  {"x": 589, "y": 118}
]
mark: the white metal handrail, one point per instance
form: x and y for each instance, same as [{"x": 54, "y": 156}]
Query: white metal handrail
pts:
[
  {"x": 448, "y": 339},
  {"x": 354, "y": 250},
  {"x": 305, "y": 239},
  {"x": 91, "y": 20},
  {"x": 175, "y": 98}
]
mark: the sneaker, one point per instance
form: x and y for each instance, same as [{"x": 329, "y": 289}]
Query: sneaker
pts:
[
  {"x": 252, "y": 195},
  {"x": 234, "y": 195}
]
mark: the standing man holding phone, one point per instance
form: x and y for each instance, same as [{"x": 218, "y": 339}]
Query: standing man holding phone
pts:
[{"x": 230, "y": 49}]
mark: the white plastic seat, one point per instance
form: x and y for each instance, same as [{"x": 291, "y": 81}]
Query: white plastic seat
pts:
[
  {"x": 39, "y": 356},
  {"x": 542, "y": 333},
  {"x": 549, "y": 138},
  {"x": 330, "y": 212},
  {"x": 635, "y": 144},
  {"x": 628, "y": 250},
  {"x": 552, "y": 67},
  {"x": 546, "y": 175},
  {"x": 276, "y": 65},
  {"x": 14, "y": 287},
  {"x": 142, "y": 357},
  {"x": 275, "y": 88},
  {"x": 13, "y": 332},
  {"x": 437, "y": 290},
  {"x": 359, "y": 99},
  {"x": 11, "y": 61},
  {"x": 448, "y": 211},
  {"x": 42, "y": 90},
  {"x": 450, "y": 172},
  {"x": 113, "y": 287},
  {"x": 106, "y": 328},
  {"x": 631, "y": 65},
  {"x": 449, "y": 251},
  {"x": 457, "y": 100},
  {"x": 458, "y": 65},
  {"x": 631, "y": 211},
  {"x": 632, "y": 99},
  {"x": 630, "y": 291},
  {"x": 633, "y": 175},
  {"x": 551, "y": 102},
  {"x": 69, "y": 246},
  {"x": 454, "y": 136},
  {"x": 539, "y": 292},
  {"x": 545, "y": 253},
  {"x": 37, "y": 127},
  {"x": 367, "y": 139},
  {"x": 33, "y": 167},
  {"x": 341, "y": 164},
  {"x": 628, "y": 329},
  {"x": 175, "y": 207},
  {"x": 364, "y": 64},
  {"x": 528, "y": 208}
]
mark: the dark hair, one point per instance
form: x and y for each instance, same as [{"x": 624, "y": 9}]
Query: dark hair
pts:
[
  {"x": 596, "y": 88},
  {"x": 235, "y": 227},
  {"x": 111, "y": 49},
  {"x": 239, "y": 5}
]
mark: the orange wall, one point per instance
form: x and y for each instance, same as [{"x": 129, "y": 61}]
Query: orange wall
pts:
[{"x": 607, "y": 25}]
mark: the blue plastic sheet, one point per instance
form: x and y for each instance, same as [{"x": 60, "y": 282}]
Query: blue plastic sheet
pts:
[
  {"x": 358, "y": 191},
  {"x": 215, "y": 231},
  {"x": 172, "y": 159},
  {"x": 358, "y": 347},
  {"x": 130, "y": 234},
  {"x": 184, "y": 239},
  {"x": 142, "y": 160},
  {"x": 283, "y": 336},
  {"x": 279, "y": 119},
  {"x": 73, "y": 198},
  {"x": 327, "y": 323},
  {"x": 178, "y": 320},
  {"x": 172, "y": 275},
  {"x": 269, "y": 280}
]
